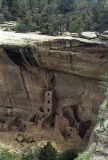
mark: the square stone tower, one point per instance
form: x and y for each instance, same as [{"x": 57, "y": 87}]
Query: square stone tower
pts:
[{"x": 49, "y": 105}]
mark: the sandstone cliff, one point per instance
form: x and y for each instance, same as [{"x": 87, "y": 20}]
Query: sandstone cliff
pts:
[{"x": 49, "y": 87}]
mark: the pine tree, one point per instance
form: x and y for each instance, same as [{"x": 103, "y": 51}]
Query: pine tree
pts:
[{"x": 48, "y": 152}]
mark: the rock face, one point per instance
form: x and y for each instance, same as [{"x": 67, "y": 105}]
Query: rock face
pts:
[
  {"x": 49, "y": 86},
  {"x": 98, "y": 145}
]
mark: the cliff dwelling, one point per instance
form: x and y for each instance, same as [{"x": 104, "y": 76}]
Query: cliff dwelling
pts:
[{"x": 49, "y": 90}]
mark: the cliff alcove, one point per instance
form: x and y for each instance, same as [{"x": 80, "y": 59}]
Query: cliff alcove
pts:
[{"x": 49, "y": 88}]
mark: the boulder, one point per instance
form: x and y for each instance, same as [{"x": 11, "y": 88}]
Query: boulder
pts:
[
  {"x": 19, "y": 137},
  {"x": 105, "y": 32},
  {"x": 89, "y": 35}
]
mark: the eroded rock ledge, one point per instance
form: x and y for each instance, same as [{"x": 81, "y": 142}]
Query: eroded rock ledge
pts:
[{"x": 49, "y": 87}]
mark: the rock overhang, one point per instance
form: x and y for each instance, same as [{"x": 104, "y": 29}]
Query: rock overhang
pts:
[
  {"x": 43, "y": 48},
  {"x": 71, "y": 67}
]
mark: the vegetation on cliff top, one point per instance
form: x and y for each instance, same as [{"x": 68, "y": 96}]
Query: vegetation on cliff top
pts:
[{"x": 54, "y": 16}]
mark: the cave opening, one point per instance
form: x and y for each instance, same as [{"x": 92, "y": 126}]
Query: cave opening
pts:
[
  {"x": 52, "y": 125},
  {"x": 2, "y": 120},
  {"x": 15, "y": 56},
  {"x": 68, "y": 135},
  {"x": 75, "y": 111},
  {"x": 33, "y": 118},
  {"x": 41, "y": 109},
  {"x": 17, "y": 122},
  {"x": 83, "y": 127}
]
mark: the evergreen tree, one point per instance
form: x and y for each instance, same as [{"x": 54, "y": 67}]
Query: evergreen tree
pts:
[
  {"x": 48, "y": 152},
  {"x": 52, "y": 16}
]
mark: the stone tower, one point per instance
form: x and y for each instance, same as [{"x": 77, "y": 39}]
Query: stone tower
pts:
[{"x": 49, "y": 104}]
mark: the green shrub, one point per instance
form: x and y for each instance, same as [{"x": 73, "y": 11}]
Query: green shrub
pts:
[
  {"x": 102, "y": 120},
  {"x": 5, "y": 155},
  {"x": 27, "y": 157},
  {"x": 85, "y": 156},
  {"x": 36, "y": 153},
  {"x": 107, "y": 103},
  {"x": 33, "y": 155},
  {"x": 48, "y": 152},
  {"x": 1, "y": 18},
  {"x": 25, "y": 25},
  {"x": 70, "y": 154}
]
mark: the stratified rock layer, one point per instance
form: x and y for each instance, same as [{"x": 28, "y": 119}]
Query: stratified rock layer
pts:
[{"x": 51, "y": 82}]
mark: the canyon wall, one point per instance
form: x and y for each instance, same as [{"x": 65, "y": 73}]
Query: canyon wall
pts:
[{"x": 49, "y": 88}]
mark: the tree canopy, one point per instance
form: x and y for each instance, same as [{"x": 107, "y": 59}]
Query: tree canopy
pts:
[{"x": 54, "y": 16}]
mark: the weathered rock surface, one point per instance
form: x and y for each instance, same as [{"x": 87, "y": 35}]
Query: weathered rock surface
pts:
[
  {"x": 51, "y": 82},
  {"x": 98, "y": 145},
  {"x": 89, "y": 35}
]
